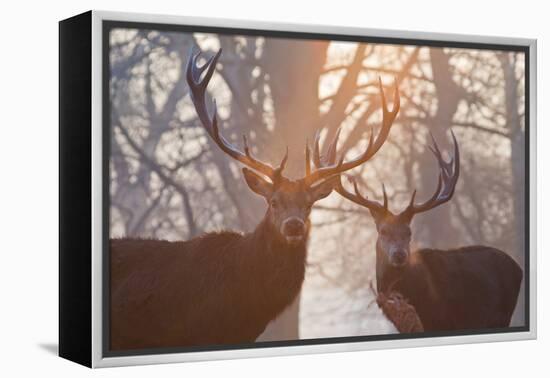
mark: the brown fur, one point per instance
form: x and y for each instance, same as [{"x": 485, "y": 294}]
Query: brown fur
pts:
[
  {"x": 220, "y": 288},
  {"x": 472, "y": 287}
]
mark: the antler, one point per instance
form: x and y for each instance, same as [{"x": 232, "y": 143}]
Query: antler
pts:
[
  {"x": 198, "y": 90},
  {"x": 448, "y": 177},
  {"x": 358, "y": 198},
  {"x": 329, "y": 167}
]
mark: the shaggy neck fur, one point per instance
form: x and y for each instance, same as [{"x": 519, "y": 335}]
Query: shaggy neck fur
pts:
[
  {"x": 389, "y": 277},
  {"x": 277, "y": 266},
  {"x": 386, "y": 275},
  {"x": 219, "y": 288}
]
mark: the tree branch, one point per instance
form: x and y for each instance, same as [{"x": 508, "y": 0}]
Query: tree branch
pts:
[{"x": 193, "y": 230}]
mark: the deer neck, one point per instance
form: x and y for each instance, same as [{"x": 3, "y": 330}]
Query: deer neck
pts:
[
  {"x": 386, "y": 274},
  {"x": 267, "y": 238},
  {"x": 381, "y": 265},
  {"x": 275, "y": 262},
  {"x": 410, "y": 279}
]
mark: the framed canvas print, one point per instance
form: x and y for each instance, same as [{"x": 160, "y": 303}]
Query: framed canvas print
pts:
[{"x": 234, "y": 189}]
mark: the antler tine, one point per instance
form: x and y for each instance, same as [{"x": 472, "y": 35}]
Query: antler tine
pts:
[
  {"x": 245, "y": 146},
  {"x": 281, "y": 167},
  {"x": 359, "y": 199},
  {"x": 198, "y": 96},
  {"x": 446, "y": 183},
  {"x": 316, "y": 151},
  {"x": 326, "y": 166},
  {"x": 308, "y": 159},
  {"x": 385, "y": 196},
  {"x": 198, "y": 87},
  {"x": 411, "y": 202},
  {"x": 331, "y": 152},
  {"x": 434, "y": 148},
  {"x": 329, "y": 168},
  {"x": 456, "y": 158}
]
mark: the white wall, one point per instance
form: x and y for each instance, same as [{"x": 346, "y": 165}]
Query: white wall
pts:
[{"x": 28, "y": 139}]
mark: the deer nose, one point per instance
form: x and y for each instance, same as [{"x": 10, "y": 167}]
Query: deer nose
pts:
[
  {"x": 399, "y": 257},
  {"x": 294, "y": 227}
]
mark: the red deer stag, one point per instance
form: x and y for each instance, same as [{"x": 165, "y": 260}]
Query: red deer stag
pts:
[
  {"x": 223, "y": 287},
  {"x": 472, "y": 287}
]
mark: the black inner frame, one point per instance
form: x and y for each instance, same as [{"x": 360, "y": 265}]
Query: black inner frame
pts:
[{"x": 108, "y": 25}]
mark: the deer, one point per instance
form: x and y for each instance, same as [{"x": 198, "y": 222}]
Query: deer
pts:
[
  {"x": 466, "y": 288},
  {"x": 224, "y": 287}
]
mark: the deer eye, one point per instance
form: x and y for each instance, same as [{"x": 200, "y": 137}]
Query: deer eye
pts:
[{"x": 274, "y": 204}]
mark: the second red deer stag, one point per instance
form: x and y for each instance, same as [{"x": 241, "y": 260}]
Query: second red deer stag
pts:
[
  {"x": 474, "y": 287},
  {"x": 223, "y": 287}
]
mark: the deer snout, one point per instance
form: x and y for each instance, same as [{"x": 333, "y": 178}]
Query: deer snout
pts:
[
  {"x": 294, "y": 229},
  {"x": 399, "y": 257},
  {"x": 293, "y": 226}
]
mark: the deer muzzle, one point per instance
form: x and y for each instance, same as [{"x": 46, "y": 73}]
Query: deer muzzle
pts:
[
  {"x": 398, "y": 257},
  {"x": 294, "y": 230}
]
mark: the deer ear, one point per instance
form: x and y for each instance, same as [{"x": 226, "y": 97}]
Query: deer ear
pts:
[
  {"x": 257, "y": 183},
  {"x": 323, "y": 189}
]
